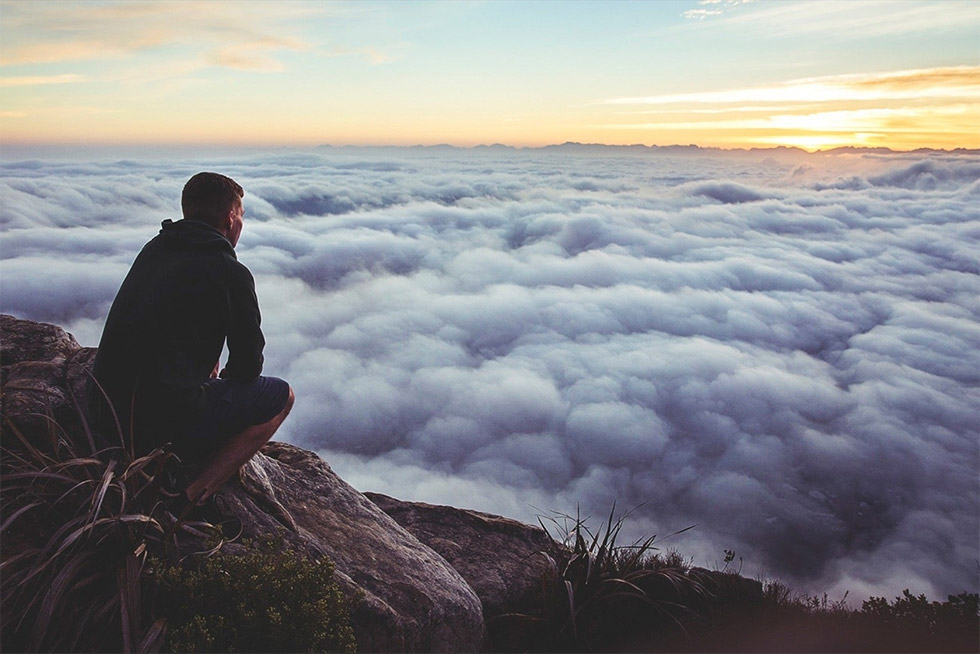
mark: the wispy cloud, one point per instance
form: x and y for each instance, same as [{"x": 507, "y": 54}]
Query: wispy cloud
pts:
[
  {"x": 372, "y": 54},
  {"x": 824, "y": 111},
  {"x": 952, "y": 82},
  {"x": 40, "y": 80},
  {"x": 717, "y": 8},
  {"x": 223, "y": 33},
  {"x": 701, "y": 13},
  {"x": 253, "y": 55},
  {"x": 837, "y": 18}
]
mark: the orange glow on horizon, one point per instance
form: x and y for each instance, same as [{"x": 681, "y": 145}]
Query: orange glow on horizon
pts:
[{"x": 309, "y": 72}]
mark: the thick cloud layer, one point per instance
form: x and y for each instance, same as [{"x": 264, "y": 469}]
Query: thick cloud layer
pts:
[{"x": 782, "y": 348}]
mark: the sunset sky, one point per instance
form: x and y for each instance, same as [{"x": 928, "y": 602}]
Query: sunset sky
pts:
[{"x": 713, "y": 73}]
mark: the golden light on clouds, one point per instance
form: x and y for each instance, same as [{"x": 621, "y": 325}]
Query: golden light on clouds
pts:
[
  {"x": 903, "y": 109},
  {"x": 954, "y": 82}
]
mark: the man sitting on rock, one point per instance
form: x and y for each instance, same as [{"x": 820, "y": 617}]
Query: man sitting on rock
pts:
[{"x": 185, "y": 296}]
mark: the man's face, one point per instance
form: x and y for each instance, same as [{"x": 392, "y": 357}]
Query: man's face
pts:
[{"x": 237, "y": 221}]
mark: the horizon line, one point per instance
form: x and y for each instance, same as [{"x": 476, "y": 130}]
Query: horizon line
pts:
[{"x": 205, "y": 145}]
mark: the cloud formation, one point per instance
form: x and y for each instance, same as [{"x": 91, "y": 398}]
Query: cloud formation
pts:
[
  {"x": 910, "y": 106},
  {"x": 835, "y": 20},
  {"x": 782, "y": 348},
  {"x": 957, "y": 82},
  {"x": 54, "y": 32}
]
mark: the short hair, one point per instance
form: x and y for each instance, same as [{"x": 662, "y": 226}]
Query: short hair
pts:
[{"x": 208, "y": 197}]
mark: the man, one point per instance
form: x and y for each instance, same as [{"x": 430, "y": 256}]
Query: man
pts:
[{"x": 184, "y": 297}]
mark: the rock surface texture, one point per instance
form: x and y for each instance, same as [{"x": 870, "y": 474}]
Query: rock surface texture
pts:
[
  {"x": 413, "y": 600},
  {"x": 501, "y": 559},
  {"x": 408, "y": 597},
  {"x": 43, "y": 374}
]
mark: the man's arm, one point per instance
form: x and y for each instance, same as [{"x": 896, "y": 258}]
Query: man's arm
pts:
[{"x": 245, "y": 340}]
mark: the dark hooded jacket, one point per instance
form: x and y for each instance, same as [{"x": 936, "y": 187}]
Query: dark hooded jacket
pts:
[{"x": 185, "y": 295}]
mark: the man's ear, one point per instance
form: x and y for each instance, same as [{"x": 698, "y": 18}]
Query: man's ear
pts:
[{"x": 228, "y": 221}]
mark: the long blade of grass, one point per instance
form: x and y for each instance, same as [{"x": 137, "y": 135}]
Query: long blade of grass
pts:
[
  {"x": 39, "y": 474},
  {"x": 55, "y": 596},
  {"x": 75, "y": 535},
  {"x": 104, "y": 610},
  {"x": 77, "y": 462},
  {"x": 36, "y": 453},
  {"x": 9, "y": 565},
  {"x": 44, "y": 560},
  {"x": 552, "y": 565},
  {"x": 129, "y": 445},
  {"x": 546, "y": 531},
  {"x": 677, "y": 533},
  {"x": 101, "y": 491},
  {"x": 571, "y": 607},
  {"x": 78, "y": 532},
  {"x": 81, "y": 418},
  {"x": 71, "y": 490},
  {"x": 16, "y": 514},
  {"x": 153, "y": 638},
  {"x": 11, "y": 459},
  {"x": 127, "y": 580},
  {"x": 213, "y": 550},
  {"x": 112, "y": 410},
  {"x": 82, "y": 620},
  {"x": 616, "y": 581},
  {"x": 609, "y": 540},
  {"x": 53, "y": 429}
]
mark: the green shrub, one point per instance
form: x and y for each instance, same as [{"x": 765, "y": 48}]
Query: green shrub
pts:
[{"x": 265, "y": 600}]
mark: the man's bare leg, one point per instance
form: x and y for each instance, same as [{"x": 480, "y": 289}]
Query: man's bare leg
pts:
[{"x": 234, "y": 454}]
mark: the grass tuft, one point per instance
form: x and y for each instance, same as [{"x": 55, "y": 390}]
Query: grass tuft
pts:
[
  {"x": 601, "y": 594},
  {"x": 77, "y": 529}
]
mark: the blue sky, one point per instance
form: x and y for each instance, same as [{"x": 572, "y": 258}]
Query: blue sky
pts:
[{"x": 523, "y": 73}]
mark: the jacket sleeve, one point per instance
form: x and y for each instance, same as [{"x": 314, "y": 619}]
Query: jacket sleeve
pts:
[{"x": 245, "y": 340}]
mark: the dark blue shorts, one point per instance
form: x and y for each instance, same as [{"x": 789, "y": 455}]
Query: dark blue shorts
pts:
[{"x": 232, "y": 406}]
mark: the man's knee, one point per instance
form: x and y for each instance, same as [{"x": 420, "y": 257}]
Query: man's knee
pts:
[{"x": 286, "y": 408}]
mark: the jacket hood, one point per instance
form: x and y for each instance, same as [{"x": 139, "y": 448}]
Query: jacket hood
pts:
[{"x": 195, "y": 234}]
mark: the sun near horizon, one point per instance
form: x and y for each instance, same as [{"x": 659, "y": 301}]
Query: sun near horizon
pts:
[{"x": 714, "y": 73}]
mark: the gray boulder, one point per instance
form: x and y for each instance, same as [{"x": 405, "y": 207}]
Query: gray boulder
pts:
[
  {"x": 35, "y": 359},
  {"x": 412, "y": 599},
  {"x": 501, "y": 559},
  {"x": 25, "y": 340}
]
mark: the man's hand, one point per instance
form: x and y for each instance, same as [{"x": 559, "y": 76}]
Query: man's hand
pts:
[{"x": 217, "y": 367}]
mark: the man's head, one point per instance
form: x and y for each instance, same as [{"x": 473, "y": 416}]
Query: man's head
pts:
[{"x": 216, "y": 200}]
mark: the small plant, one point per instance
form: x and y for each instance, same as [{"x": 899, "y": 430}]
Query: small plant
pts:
[
  {"x": 264, "y": 600},
  {"x": 729, "y": 558},
  {"x": 602, "y": 594}
]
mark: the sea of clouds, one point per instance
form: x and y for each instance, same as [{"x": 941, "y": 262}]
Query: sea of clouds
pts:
[{"x": 780, "y": 348}]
